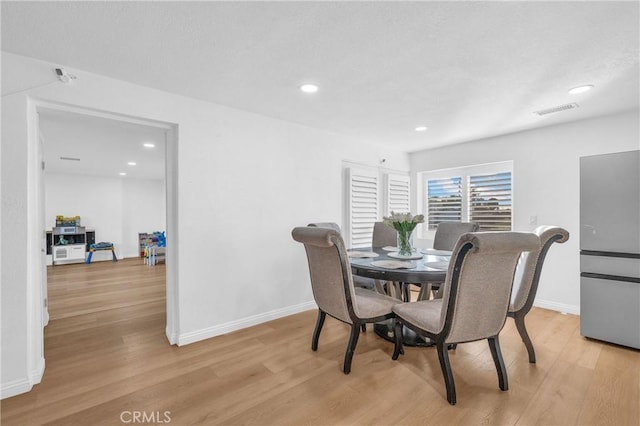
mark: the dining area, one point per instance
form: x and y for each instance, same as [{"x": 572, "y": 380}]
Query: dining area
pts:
[{"x": 468, "y": 284}]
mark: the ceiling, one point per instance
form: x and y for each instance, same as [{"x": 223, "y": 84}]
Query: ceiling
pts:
[
  {"x": 467, "y": 70},
  {"x": 96, "y": 146}
]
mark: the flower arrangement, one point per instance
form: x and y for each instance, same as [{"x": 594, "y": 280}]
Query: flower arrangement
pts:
[{"x": 404, "y": 223}]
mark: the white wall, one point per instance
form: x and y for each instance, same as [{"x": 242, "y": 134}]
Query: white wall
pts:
[
  {"x": 545, "y": 184},
  {"x": 244, "y": 181},
  {"x": 116, "y": 208}
]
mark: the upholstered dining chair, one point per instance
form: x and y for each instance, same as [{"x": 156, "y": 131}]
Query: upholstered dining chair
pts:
[
  {"x": 525, "y": 282},
  {"x": 383, "y": 235},
  {"x": 333, "y": 288},
  {"x": 330, "y": 225},
  {"x": 447, "y": 234},
  {"x": 357, "y": 281},
  {"x": 476, "y": 298}
]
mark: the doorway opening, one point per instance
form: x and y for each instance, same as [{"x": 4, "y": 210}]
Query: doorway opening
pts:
[{"x": 146, "y": 192}]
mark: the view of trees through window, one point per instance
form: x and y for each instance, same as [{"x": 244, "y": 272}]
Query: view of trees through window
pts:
[
  {"x": 490, "y": 201},
  {"x": 444, "y": 200},
  {"x": 483, "y": 198}
]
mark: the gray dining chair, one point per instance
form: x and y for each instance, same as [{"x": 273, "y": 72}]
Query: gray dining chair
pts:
[
  {"x": 477, "y": 293},
  {"x": 447, "y": 234},
  {"x": 383, "y": 235},
  {"x": 358, "y": 281},
  {"x": 527, "y": 277},
  {"x": 330, "y": 225},
  {"x": 333, "y": 288}
]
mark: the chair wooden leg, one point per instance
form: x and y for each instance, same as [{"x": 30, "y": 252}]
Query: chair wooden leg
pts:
[
  {"x": 519, "y": 319},
  {"x": 316, "y": 333},
  {"x": 363, "y": 327},
  {"x": 406, "y": 292},
  {"x": 494, "y": 345},
  {"x": 425, "y": 291},
  {"x": 445, "y": 365},
  {"x": 397, "y": 350},
  {"x": 351, "y": 347}
]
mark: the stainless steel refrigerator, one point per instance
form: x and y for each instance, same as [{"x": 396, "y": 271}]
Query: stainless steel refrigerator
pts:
[{"x": 610, "y": 247}]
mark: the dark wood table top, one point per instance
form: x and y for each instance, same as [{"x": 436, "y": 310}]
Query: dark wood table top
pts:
[{"x": 431, "y": 268}]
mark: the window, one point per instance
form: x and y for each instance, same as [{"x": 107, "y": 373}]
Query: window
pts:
[
  {"x": 367, "y": 200},
  {"x": 490, "y": 201},
  {"x": 479, "y": 194},
  {"x": 444, "y": 201},
  {"x": 398, "y": 194},
  {"x": 362, "y": 206}
]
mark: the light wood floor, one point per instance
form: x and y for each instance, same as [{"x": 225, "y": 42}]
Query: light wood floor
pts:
[{"x": 106, "y": 354}]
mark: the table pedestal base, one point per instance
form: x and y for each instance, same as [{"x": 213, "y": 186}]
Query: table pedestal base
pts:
[{"x": 385, "y": 330}]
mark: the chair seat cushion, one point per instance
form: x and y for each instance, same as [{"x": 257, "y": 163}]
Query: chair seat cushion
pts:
[
  {"x": 371, "y": 304},
  {"x": 424, "y": 314}
]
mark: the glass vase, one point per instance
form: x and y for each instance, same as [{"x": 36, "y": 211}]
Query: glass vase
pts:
[{"x": 405, "y": 242}]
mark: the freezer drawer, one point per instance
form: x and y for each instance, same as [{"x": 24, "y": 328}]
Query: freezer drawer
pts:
[
  {"x": 610, "y": 310},
  {"x": 622, "y": 266}
]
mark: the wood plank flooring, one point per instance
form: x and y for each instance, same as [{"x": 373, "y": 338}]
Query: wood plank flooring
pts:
[{"x": 107, "y": 358}]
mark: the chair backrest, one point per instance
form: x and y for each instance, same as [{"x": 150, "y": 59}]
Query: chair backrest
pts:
[
  {"x": 525, "y": 282},
  {"x": 329, "y": 269},
  {"x": 477, "y": 290},
  {"x": 330, "y": 225},
  {"x": 383, "y": 235},
  {"x": 447, "y": 234}
]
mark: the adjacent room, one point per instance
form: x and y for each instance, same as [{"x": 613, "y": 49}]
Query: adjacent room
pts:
[{"x": 320, "y": 213}]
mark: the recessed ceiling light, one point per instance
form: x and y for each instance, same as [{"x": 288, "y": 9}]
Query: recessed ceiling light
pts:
[
  {"x": 309, "y": 88},
  {"x": 421, "y": 128},
  {"x": 131, "y": 163},
  {"x": 581, "y": 89},
  {"x": 149, "y": 145},
  {"x": 123, "y": 174}
]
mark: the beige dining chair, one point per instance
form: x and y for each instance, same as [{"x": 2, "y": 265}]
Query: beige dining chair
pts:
[
  {"x": 357, "y": 281},
  {"x": 333, "y": 288},
  {"x": 330, "y": 225},
  {"x": 527, "y": 277},
  {"x": 476, "y": 297},
  {"x": 384, "y": 235},
  {"x": 447, "y": 234}
]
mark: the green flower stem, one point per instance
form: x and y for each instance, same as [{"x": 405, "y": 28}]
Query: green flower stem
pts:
[{"x": 404, "y": 229}]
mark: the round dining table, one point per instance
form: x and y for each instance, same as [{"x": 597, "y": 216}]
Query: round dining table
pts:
[{"x": 429, "y": 268}]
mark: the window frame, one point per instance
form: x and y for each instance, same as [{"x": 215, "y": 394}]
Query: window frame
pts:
[{"x": 464, "y": 172}]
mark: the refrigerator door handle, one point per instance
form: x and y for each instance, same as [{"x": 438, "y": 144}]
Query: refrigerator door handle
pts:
[
  {"x": 610, "y": 277},
  {"x": 610, "y": 254}
]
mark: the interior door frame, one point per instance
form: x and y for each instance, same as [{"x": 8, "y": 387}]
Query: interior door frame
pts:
[{"x": 36, "y": 224}]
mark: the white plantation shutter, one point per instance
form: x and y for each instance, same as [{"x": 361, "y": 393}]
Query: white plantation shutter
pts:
[
  {"x": 490, "y": 201},
  {"x": 363, "y": 206},
  {"x": 444, "y": 200},
  {"x": 398, "y": 190}
]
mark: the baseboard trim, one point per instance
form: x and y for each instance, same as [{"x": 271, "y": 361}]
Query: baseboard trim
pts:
[
  {"x": 16, "y": 387},
  {"x": 206, "y": 333},
  {"x": 171, "y": 337},
  {"x": 555, "y": 306}
]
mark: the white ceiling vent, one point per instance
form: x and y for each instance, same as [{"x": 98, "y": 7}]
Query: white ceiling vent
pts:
[{"x": 556, "y": 109}]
